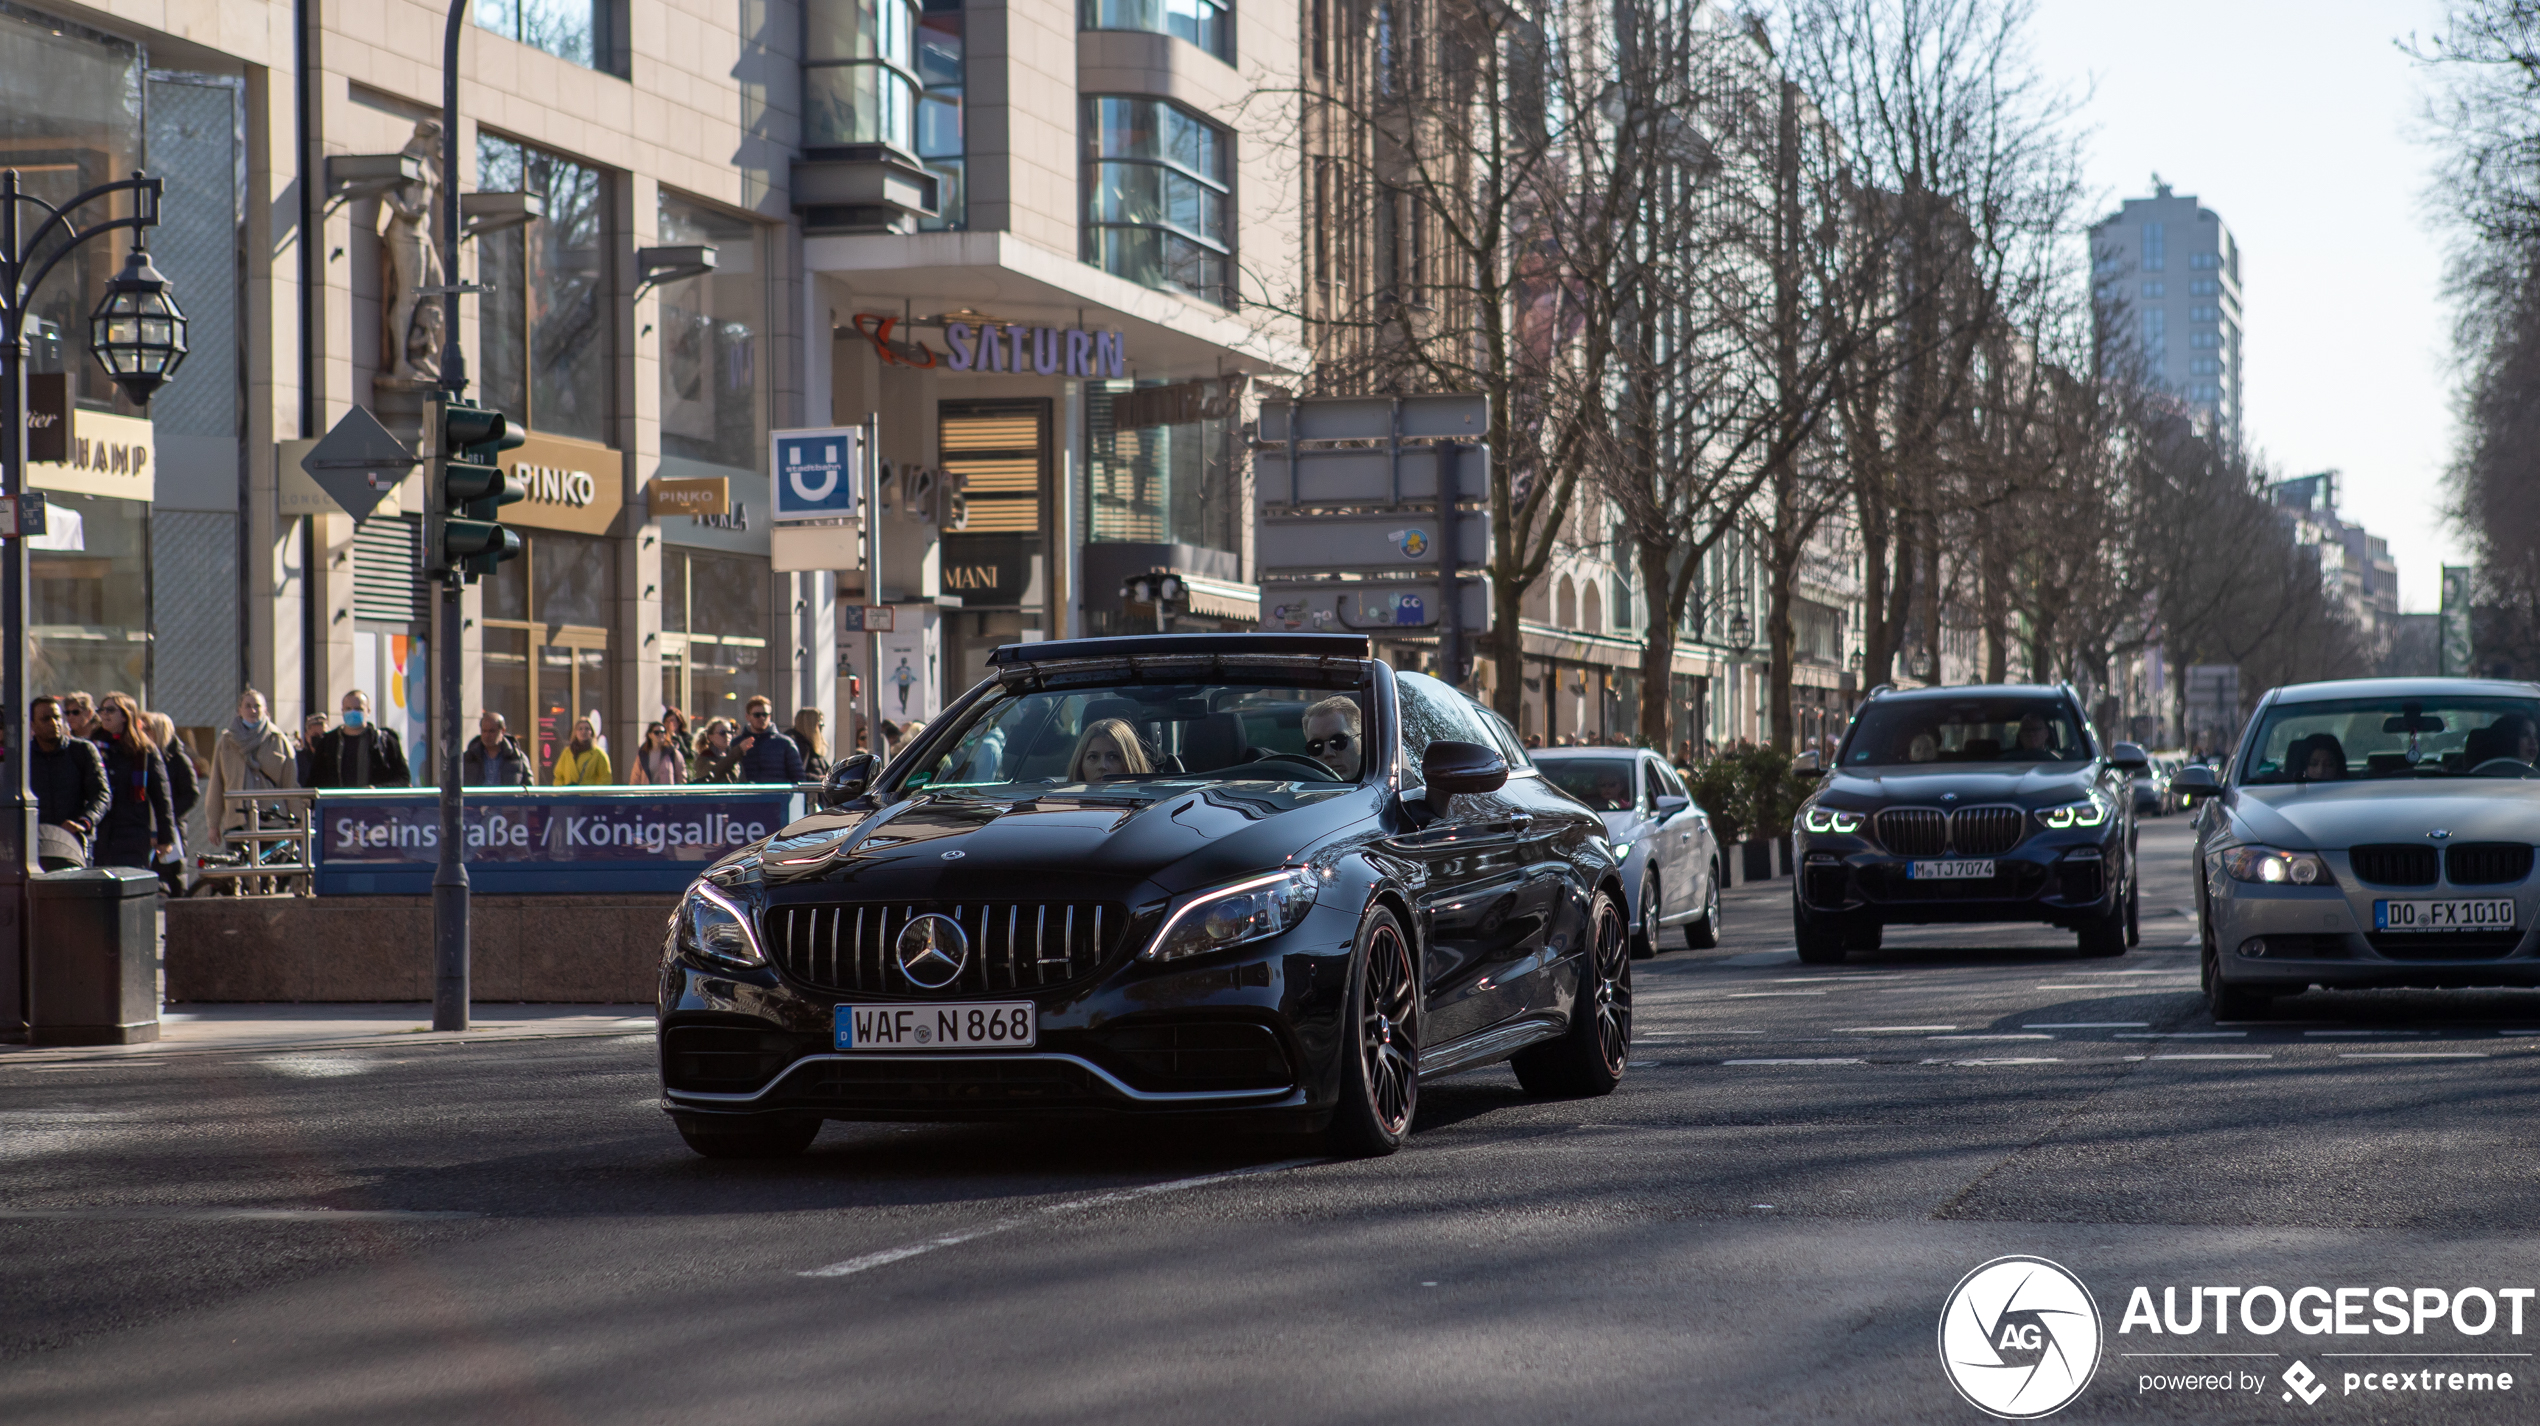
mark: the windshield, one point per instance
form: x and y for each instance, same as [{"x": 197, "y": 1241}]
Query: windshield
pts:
[
  {"x": 1979, "y": 730},
  {"x": 1604, "y": 784},
  {"x": 2395, "y": 737},
  {"x": 1145, "y": 733}
]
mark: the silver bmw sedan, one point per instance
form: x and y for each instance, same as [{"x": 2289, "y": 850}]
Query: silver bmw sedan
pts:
[{"x": 2371, "y": 832}]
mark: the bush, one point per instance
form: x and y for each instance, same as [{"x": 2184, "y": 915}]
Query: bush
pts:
[{"x": 1749, "y": 792}]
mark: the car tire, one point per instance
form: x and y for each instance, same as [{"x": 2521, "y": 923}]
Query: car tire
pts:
[
  {"x": 1645, "y": 935},
  {"x": 2134, "y": 906},
  {"x": 1380, "y": 1065},
  {"x": 1704, "y": 934},
  {"x": 1818, "y": 944},
  {"x": 780, "y": 1140},
  {"x": 2104, "y": 938},
  {"x": 2225, "y": 1001},
  {"x": 1589, "y": 1058},
  {"x": 1864, "y": 936}
]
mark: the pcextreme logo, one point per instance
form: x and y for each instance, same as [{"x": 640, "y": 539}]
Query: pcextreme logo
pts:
[{"x": 2019, "y": 1338}]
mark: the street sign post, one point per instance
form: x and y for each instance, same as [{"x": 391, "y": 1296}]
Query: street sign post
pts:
[{"x": 359, "y": 463}]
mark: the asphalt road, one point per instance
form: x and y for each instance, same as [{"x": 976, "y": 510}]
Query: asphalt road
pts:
[{"x": 1763, "y": 1224}]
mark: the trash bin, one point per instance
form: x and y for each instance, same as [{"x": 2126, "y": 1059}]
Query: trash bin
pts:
[{"x": 94, "y": 953}]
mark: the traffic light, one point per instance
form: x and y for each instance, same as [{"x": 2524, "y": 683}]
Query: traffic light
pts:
[{"x": 463, "y": 533}]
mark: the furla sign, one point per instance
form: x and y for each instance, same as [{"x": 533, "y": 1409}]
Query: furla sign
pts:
[{"x": 571, "y": 485}]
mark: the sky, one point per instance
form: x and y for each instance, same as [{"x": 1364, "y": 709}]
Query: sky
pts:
[{"x": 2302, "y": 126}]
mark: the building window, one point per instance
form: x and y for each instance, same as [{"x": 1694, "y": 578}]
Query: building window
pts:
[
  {"x": 2155, "y": 248},
  {"x": 2204, "y": 393},
  {"x": 1202, "y": 22},
  {"x": 548, "y": 646},
  {"x": 2204, "y": 287},
  {"x": 941, "y": 142},
  {"x": 1158, "y": 203},
  {"x": 1161, "y": 484},
  {"x": 2204, "y": 261},
  {"x": 546, "y": 321},
  {"x": 2204, "y": 314},
  {"x": 713, "y": 406},
  {"x": 585, "y": 32},
  {"x": 714, "y": 616},
  {"x": 2204, "y": 341},
  {"x": 860, "y": 74},
  {"x": 2155, "y": 289},
  {"x": 2205, "y": 366}
]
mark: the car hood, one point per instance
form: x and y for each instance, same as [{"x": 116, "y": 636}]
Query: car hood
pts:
[
  {"x": 2029, "y": 785},
  {"x": 960, "y": 847},
  {"x": 2315, "y": 815},
  {"x": 1622, "y": 826}
]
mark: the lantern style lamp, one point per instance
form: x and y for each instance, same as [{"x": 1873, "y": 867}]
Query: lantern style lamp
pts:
[
  {"x": 137, "y": 331},
  {"x": 1741, "y": 633}
]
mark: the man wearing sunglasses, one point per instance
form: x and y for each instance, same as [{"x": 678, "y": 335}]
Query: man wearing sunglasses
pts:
[{"x": 1331, "y": 737}]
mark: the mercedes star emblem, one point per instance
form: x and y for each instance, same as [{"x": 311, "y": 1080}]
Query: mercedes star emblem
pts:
[
  {"x": 955, "y": 856},
  {"x": 932, "y": 951}
]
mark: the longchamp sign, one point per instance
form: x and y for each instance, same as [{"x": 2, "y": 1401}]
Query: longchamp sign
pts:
[{"x": 387, "y": 841}]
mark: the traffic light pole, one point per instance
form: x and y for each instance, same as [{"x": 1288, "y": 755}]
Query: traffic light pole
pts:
[{"x": 449, "y": 878}]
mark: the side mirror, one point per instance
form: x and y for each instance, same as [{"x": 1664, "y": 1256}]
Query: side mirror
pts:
[
  {"x": 2127, "y": 757},
  {"x": 2195, "y": 777},
  {"x": 1807, "y": 764},
  {"x": 1450, "y": 767},
  {"x": 1669, "y": 804},
  {"x": 848, "y": 779}
]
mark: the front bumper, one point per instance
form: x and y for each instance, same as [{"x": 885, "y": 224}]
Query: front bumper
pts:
[
  {"x": 1257, "y": 1029},
  {"x": 2063, "y": 878},
  {"x": 2288, "y": 938}
]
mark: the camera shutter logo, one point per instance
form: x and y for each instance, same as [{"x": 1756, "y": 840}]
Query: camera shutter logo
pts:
[
  {"x": 2020, "y": 1338},
  {"x": 932, "y": 951}
]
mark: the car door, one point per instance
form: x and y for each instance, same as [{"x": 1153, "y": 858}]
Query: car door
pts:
[
  {"x": 1477, "y": 932},
  {"x": 1666, "y": 832}
]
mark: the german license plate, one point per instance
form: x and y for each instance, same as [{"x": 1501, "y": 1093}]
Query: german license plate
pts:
[
  {"x": 957, "y": 1025},
  {"x": 1950, "y": 871},
  {"x": 2460, "y": 914}
]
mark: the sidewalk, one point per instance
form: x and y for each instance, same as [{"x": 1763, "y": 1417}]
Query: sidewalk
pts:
[{"x": 191, "y": 1029}]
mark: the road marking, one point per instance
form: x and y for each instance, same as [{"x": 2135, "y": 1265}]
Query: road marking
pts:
[
  {"x": 2415, "y": 1055},
  {"x": 1993, "y": 1037},
  {"x": 2087, "y": 1025},
  {"x": 2354, "y": 1033},
  {"x": 2009, "y": 1060},
  {"x": 2103, "y": 985},
  {"x": 2518, "y": 1032},
  {"x": 887, "y": 1256},
  {"x": 2188, "y": 1035},
  {"x": 315, "y": 1066},
  {"x": 2215, "y": 1057},
  {"x": 1812, "y": 979},
  {"x": 239, "y": 1215},
  {"x": 1890, "y": 1029},
  {"x": 1791, "y": 1062},
  {"x": 1770, "y": 994}
]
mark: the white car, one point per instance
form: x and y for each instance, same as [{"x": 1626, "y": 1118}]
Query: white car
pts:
[{"x": 1671, "y": 862}]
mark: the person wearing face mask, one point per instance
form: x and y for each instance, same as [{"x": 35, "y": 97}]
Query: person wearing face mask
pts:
[
  {"x": 252, "y": 754},
  {"x": 68, "y": 776},
  {"x": 359, "y": 754}
]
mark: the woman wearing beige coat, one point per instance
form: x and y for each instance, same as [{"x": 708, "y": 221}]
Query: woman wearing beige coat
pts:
[{"x": 252, "y": 754}]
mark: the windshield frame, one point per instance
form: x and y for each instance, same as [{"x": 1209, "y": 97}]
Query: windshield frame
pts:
[
  {"x": 1369, "y": 678},
  {"x": 2273, "y": 710}
]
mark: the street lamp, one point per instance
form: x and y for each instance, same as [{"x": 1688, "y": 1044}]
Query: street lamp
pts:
[
  {"x": 1741, "y": 634},
  {"x": 139, "y": 336}
]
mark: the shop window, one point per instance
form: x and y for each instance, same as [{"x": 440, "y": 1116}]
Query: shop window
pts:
[
  {"x": 1202, "y": 22},
  {"x": 714, "y": 619},
  {"x": 549, "y": 650},
  {"x": 1159, "y": 203},
  {"x": 860, "y": 74},
  {"x": 1175, "y": 483},
  {"x": 88, "y": 607},
  {"x": 590, "y": 33},
  {"x": 546, "y": 322},
  {"x": 713, "y": 341},
  {"x": 72, "y": 120}
]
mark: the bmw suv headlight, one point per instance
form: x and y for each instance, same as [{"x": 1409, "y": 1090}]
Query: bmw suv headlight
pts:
[
  {"x": 2092, "y": 811},
  {"x": 714, "y": 928},
  {"x": 1831, "y": 819},
  {"x": 1230, "y": 916},
  {"x": 2268, "y": 866}
]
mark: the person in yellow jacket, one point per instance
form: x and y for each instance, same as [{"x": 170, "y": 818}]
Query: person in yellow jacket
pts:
[{"x": 583, "y": 762}]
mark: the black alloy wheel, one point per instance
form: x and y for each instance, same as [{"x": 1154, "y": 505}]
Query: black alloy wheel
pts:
[
  {"x": 1703, "y": 934},
  {"x": 1589, "y": 1057},
  {"x": 782, "y": 1139},
  {"x": 1645, "y": 939},
  {"x": 2133, "y": 904},
  {"x": 2223, "y": 1000},
  {"x": 1380, "y": 1080}
]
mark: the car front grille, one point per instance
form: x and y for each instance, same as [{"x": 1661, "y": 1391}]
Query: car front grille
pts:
[
  {"x": 2486, "y": 863},
  {"x": 1013, "y": 946},
  {"x": 2446, "y": 945},
  {"x": 1913, "y": 831},
  {"x": 1983, "y": 831},
  {"x": 723, "y": 1059},
  {"x": 2394, "y": 865},
  {"x": 1826, "y": 886}
]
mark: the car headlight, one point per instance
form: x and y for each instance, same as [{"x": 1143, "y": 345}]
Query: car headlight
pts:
[
  {"x": 2271, "y": 867},
  {"x": 1621, "y": 850},
  {"x": 1830, "y": 819},
  {"x": 1230, "y": 916},
  {"x": 2090, "y": 812},
  {"x": 715, "y": 929}
]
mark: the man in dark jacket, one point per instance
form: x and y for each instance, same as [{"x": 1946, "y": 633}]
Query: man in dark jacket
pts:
[
  {"x": 766, "y": 754},
  {"x": 358, "y": 754},
  {"x": 492, "y": 759},
  {"x": 70, "y": 785}
]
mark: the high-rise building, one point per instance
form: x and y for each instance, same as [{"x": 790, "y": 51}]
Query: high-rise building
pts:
[{"x": 2168, "y": 277}]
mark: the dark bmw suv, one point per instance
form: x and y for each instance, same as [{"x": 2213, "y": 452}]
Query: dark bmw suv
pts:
[{"x": 1986, "y": 803}]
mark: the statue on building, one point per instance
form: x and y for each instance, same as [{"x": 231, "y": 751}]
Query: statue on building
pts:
[{"x": 410, "y": 327}]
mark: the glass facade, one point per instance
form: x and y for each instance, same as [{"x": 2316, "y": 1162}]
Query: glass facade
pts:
[
  {"x": 714, "y": 618},
  {"x": 89, "y": 606},
  {"x": 1201, "y": 22},
  {"x": 577, "y": 30},
  {"x": 545, "y": 325},
  {"x": 1159, "y": 203},
  {"x": 940, "y": 141},
  {"x": 713, "y": 341},
  {"x": 550, "y": 652},
  {"x": 860, "y": 74},
  {"x": 1167, "y": 484},
  {"x": 70, "y": 118}
]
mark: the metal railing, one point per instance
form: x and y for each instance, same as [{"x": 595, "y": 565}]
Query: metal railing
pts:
[{"x": 274, "y": 854}]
